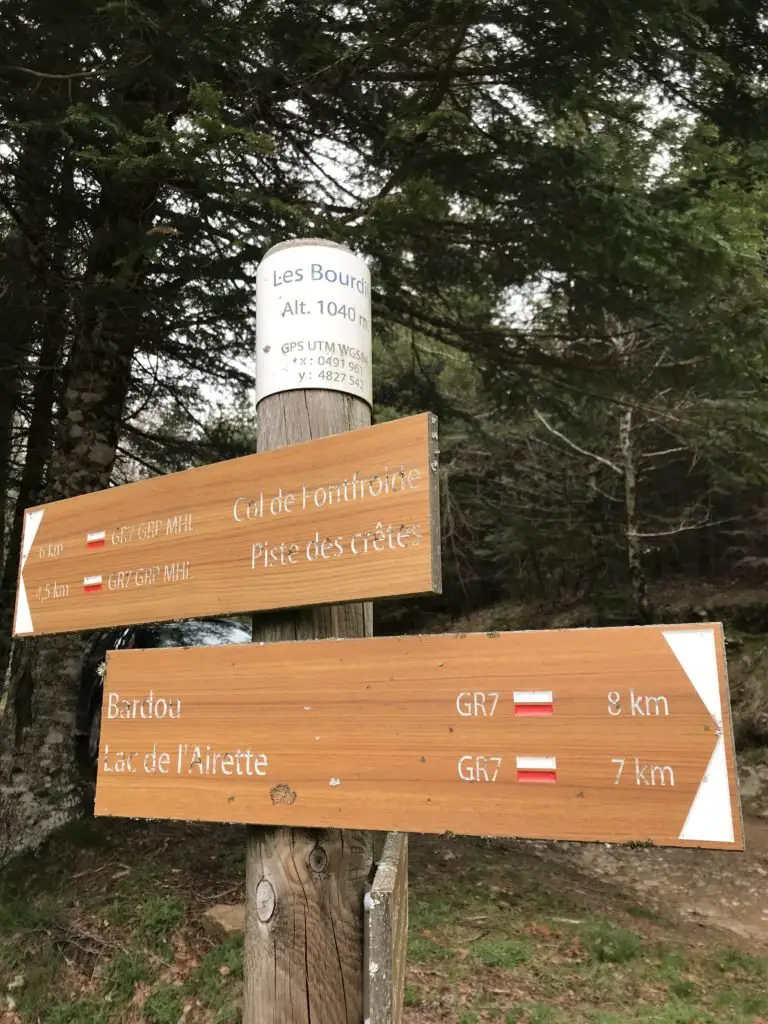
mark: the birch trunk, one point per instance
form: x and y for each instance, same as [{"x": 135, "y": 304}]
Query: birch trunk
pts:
[{"x": 637, "y": 577}]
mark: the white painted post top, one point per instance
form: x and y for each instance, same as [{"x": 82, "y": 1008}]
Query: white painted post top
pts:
[{"x": 313, "y": 320}]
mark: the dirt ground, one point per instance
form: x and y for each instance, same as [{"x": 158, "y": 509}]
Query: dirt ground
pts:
[
  {"x": 701, "y": 888},
  {"x": 106, "y": 926},
  {"x": 625, "y": 934},
  {"x": 726, "y": 891}
]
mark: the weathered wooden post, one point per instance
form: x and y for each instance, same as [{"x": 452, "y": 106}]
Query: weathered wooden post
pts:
[
  {"x": 386, "y": 934},
  {"x": 305, "y": 888}
]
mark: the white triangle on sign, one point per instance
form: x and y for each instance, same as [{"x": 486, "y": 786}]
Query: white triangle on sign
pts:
[
  {"x": 23, "y": 621},
  {"x": 709, "y": 818}
]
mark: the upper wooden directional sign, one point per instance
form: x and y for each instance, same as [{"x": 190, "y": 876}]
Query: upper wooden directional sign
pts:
[
  {"x": 343, "y": 518},
  {"x": 612, "y": 735}
]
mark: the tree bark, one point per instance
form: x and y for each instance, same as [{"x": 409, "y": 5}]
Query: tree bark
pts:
[
  {"x": 23, "y": 264},
  {"x": 39, "y": 438},
  {"x": 52, "y": 317},
  {"x": 10, "y": 391},
  {"x": 39, "y": 784},
  {"x": 305, "y": 888}
]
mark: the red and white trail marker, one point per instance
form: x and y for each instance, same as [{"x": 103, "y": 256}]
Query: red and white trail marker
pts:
[
  {"x": 92, "y": 584},
  {"x": 97, "y": 539},
  {"x": 536, "y": 769},
  {"x": 533, "y": 703}
]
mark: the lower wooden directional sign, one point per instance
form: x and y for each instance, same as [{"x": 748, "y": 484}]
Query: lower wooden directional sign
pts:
[{"x": 612, "y": 735}]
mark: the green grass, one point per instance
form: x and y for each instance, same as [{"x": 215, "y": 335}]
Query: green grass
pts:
[
  {"x": 124, "y": 972},
  {"x": 505, "y": 953},
  {"x": 427, "y": 951},
  {"x": 101, "y": 919},
  {"x": 412, "y": 995},
  {"x": 218, "y": 978},
  {"x": 523, "y": 950},
  {"x": 83, "y": 1011},
  {"x": 737, "y": 962},
  {"x": 158, "y": 919},
  {"x": 165, "y": 1005},
  {"x": 533, "y": 1013},
  {"x": 646, "y": 914},
  {"x": 610, "y": 945}
]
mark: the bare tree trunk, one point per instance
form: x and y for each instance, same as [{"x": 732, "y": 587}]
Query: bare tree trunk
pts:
[
  {"x": 598, "y": 536},
  {"x": 637, "y": 576},
  {"x": 10, "y": 391}
]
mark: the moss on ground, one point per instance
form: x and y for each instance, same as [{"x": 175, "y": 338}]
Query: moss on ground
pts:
[{"x": 104, "y": 927}]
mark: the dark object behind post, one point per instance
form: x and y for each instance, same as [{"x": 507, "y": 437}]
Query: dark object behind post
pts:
[{"x": 305, "y": 888}]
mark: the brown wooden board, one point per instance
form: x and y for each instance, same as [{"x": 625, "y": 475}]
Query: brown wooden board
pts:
[
  {"x": 343, "y": 518},
  {"x": 612, "y": 735}
]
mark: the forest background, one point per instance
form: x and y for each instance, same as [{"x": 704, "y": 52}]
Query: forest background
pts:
[{"x": 565, "y": 209}]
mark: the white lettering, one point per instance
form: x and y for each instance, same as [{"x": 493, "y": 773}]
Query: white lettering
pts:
[
  {"x": 476, "y": 768},
  {"x": 146, "y": 708},
  {"x": 120, "y": 763},
  {"x": 662, "y": 777},
  {"x": 149, "y": 529},
  {"x": 653, "y": 705},
  {"x": 267, "y": 555},
  {"x": 653, "y": 774},
  {"x": 206, "y": 761},
  {"x": 176, "y": 572},
  {"x": 640, "y": 705},
  {"x": 156, "y": 762},
  {"x": 477, "y": 704},
  {"x": 178, "y": 524}
]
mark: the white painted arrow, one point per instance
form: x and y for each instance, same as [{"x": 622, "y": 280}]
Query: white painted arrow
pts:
[
  {"x": 23, "y": 620},
  {"x": 710, "y": 818}
]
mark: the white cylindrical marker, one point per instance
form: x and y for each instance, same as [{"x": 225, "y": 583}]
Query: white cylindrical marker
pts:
[{"x": 313, "y": 320}]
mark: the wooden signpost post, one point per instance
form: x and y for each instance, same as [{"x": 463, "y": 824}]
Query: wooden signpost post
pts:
[
  {"x": 337, "y": 519},
  {"x": 612, "y": 735},
  {"x": 304, "y": 922}
]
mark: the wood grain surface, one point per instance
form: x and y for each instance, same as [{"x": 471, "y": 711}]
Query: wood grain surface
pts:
[
  {"x": 387, "y": 933},
  {"x": 438, "y": 733},
  {"x": 304, "y": 888},
  {"x": 338, "y": 519}
]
